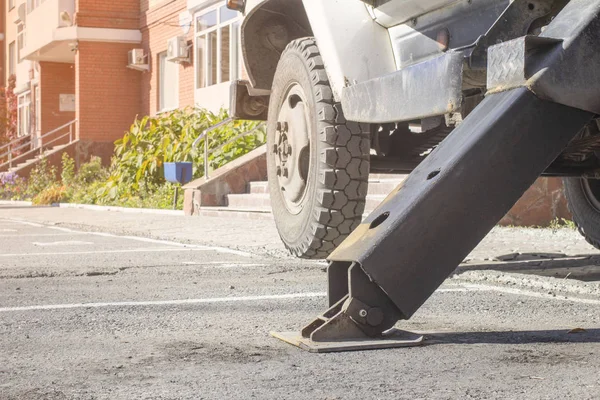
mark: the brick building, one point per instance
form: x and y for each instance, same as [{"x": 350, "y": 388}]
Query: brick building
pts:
[{"x": 86, "y": 68}]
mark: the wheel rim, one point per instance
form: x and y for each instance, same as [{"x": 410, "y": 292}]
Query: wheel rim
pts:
[
  {"x": 591, "y": 188},
  {"x": 291, "y": 150}
]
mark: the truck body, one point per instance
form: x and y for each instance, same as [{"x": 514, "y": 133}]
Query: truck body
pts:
[{"x": 474, "y": 98}]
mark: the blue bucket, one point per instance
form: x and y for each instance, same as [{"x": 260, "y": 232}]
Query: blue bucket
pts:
[{"x": 178, "y": 172}]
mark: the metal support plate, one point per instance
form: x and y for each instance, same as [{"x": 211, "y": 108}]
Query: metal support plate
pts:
[{"x": 394, "y": 338}]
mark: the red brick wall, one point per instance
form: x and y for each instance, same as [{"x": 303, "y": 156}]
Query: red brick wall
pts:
[
  {"x": 159, "y": 24},
  {"x": 542, "y": 203},
  {"x": 121, "y": 14},
  {"x": 108, "y": 93},
  {"x": 55, "y": 79}
]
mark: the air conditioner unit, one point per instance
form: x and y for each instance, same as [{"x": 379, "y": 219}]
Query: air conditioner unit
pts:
[
  {"x": 178, "y": 50},
  {"x": 137, "y": 60},
  {"x": 21, "y": 15}
]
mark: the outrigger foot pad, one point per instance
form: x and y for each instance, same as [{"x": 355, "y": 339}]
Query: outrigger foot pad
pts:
[{"x": 391, "y": 339}]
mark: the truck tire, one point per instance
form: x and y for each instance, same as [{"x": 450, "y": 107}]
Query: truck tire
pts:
[
  {"x": 583, "y": 198},
  {"x": 318, "y": 163}
]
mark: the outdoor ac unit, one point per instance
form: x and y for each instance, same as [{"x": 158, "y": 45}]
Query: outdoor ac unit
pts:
[
  {"x": 137, "y": 60},
  {"x": 178, "y": 50}
]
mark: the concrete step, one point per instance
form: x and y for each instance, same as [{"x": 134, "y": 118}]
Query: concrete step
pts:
[
  {"x": 382, "y": 187},
  {"x": 377, "y": 185},
  {"x": 258, "y": 187},
  {"x": 236, "y": 213},
  {"x": 249, "y": 201},
  {"x": 261, "y": 202}
]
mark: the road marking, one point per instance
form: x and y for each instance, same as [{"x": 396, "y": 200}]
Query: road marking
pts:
[
  {"x": 223, "y": 265},
  {"x": 68, "y": 253},
  {"x": 62, "y": 243},
  {"x": 40, "y": 235},
  {"x": 139, "y": 239},
  {"x": 525, "y": 292},
  {"x": 165, "y": 302},
  {"x": 191, "y": 301},
  {"x": 18, "y": 221},
  {"x": 8, "y": 230}
]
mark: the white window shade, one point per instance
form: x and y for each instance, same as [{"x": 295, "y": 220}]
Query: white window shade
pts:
[{"x": 168, "y": 91}]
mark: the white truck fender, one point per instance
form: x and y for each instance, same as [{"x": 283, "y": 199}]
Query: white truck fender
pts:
[{"x": 353, "y": 46}]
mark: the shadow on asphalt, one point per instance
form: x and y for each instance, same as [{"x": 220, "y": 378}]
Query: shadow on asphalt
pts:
[
  {"x": 585, "y": 267},
  {"x": 515, "y": 337}
]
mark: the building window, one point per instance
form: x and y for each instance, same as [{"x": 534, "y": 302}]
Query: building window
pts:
[
  {"x": 12, "y": 58},
  {"x": 24, "y": 114},
  {"x": 20, "y": 40},
  {"x": 217, "y": 46},
  {"x": 33, "y": 4},
  {"x": 168, "y": 85},
  {"x": 38, "y": 108}
]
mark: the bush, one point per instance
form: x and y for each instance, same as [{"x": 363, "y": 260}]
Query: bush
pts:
[
  {"x": 51, "y": 195},
  {"x": 67, "y": 175},
  {"x": 137, "y": 167},
  {"x": 12, "y": 187},
  {"x": 41, "y": 178},
  {"x": 136, "y": 174}
]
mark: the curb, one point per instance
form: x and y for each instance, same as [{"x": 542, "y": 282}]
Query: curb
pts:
[
  {"x": 120, "y": 209},
  {"x": 14, "y": 203}
]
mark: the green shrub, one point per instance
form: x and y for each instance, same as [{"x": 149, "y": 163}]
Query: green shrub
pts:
[
  {"x": 137, "y": 169},
  {"x": 67, "y": 175},
  {"x": 136, "y": 174},
  {"x": 41, "y": 178},
  {"x": 91, "y": 172},
  {"x": 51, "y": 195}
]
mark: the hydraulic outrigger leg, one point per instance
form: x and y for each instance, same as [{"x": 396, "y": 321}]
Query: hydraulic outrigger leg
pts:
[{"x": 392, "y": 263}]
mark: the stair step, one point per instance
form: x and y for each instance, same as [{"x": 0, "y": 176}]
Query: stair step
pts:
[
  {"x": 248, "y": 200},
  {"x": 383, "y": 186},
  {"x": 387, "y": 177},
  {"x": 262, "y": 201},
  {"x": 373, "y": 201},
  {"x": 259, "y": 187}
]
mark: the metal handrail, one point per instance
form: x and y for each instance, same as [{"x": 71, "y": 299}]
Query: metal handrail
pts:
[
  {"x": 43, "y": 145},
  {"x": 205, "y": 136},
  {"x": 7, "y": 145}
]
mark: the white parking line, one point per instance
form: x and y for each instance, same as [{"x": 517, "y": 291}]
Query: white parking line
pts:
[
  {"x": 222, "y": 265},
  {"x": 195, "y": 301},
  {"x": 137, "y": 238},
  {"x": 165, "y": 302},
  {"x": 17, "y": 236},
  {"x": 62, "y": 243},
  {"x": 68, "y": 253},
  {"x": 528, "y": 293}
]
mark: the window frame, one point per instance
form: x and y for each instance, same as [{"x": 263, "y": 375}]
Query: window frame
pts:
[
  {"x": 161, "y": 107},
  {"x": 234, "y": 25},
  {"x": 12, "y": 58},
  {"x": 21, "y": 40},
  {"x": 24, "y": 107}
]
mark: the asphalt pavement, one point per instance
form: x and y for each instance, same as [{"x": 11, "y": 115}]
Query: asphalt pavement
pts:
[{"x": 97, "y": 305}]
